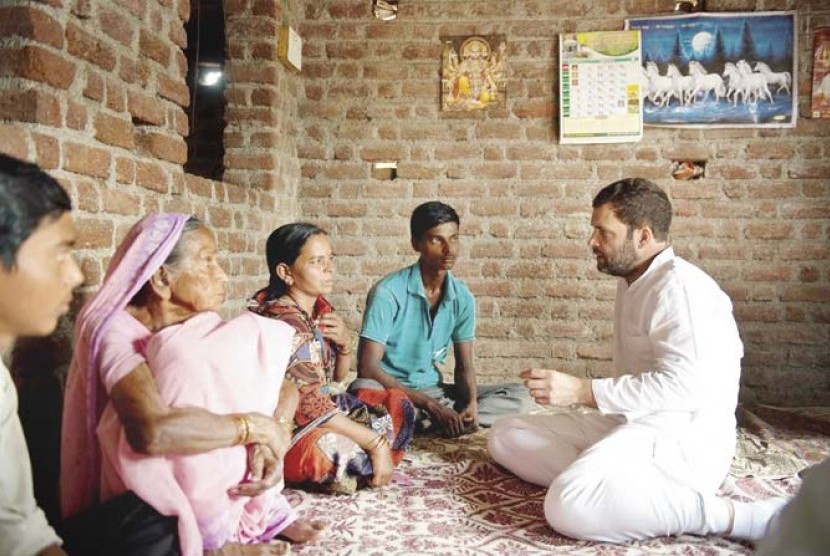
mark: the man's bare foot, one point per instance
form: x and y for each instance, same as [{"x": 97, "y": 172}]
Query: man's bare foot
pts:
[{"x": 304, "y": 530}]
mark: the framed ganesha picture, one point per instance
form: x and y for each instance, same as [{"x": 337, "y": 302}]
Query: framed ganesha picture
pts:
[{"x": 473, "y": 73}]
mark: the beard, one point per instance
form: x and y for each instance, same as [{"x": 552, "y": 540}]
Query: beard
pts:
[{"x": 621, "y": 263}]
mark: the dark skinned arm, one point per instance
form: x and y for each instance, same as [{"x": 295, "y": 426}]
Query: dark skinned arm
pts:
[
  {"x": 369, "y": 356},
  {"x": 465, "y": 384},
  {"x": 153, "y": 428}
]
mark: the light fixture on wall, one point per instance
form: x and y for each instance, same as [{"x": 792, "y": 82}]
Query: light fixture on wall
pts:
[
  {"x": 385, "y": 10},
  {"x": 210, "y": 74},
  {"x": 689, "y": 6}
]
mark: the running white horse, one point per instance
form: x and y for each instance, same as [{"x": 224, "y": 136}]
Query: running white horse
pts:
[
  {"x": 782, "y": 79},
  {"x": 661, "y": 87},
  {"x": 706, "y": 82},
  {"x": 743, "y": 85},
  {"x": 683, "y": 85}
]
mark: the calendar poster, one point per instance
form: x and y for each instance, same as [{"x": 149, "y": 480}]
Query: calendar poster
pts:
[{"x": 600, "y": 87}]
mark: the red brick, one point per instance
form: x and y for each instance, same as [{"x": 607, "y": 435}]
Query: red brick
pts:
[
  {"x": 114, "y": 130},
  {"x": 346, "y": 50},
  {"x": 145, "y": 109},
  {"x": 116, "y": 95},
  {"x": 124, "y": 170},
  {"x": 533, "y": 109},
  {"x": 184, "y": 9},
  {"x": 120, "y": 202},
  {"x": 86, "y": 195},
  {"x": 37, "y": 64},
  {"x": 771, "y": 230},
  {"x": 47, "y": 149},
  {"x": 498, "y": 130},
  {"x": 94, "y": 88},
  {"x": 162, "y": 146},
  {"x": 83, "y": 159},
  {"x": 75, "y": 115},
  {"x": 82, "y": 44},
  {"x": 13, "y": 141},
  {"x": 155, "y": 48},
  {"x": 350, "y": 9},
  {"x": 94, "y": 233},
  {"x": 152, "y": 176},
  {"x": 115, "y": 25},
  {"x": 174, "y": 89},
  {"x": 31, "y": 23}
]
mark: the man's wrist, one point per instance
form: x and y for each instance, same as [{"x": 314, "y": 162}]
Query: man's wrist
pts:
[{"x": 588, "y": 393}]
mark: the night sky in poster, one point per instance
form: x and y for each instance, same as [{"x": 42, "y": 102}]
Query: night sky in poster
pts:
[{"x": 716, "y": 42}]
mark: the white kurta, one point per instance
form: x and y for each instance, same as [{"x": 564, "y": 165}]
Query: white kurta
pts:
[
  {"x": 651, "y": 461},
  {"x": 23, "y": 527}
]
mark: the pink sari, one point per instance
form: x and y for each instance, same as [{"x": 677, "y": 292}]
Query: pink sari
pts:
[{"x": 224, "y": 367}]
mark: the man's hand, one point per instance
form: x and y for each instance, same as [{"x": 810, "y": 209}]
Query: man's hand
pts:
[
  {"x": 549, "y": 387},
  {"x": 451, "y": 423},
  {"x": 470, "y": 417}
]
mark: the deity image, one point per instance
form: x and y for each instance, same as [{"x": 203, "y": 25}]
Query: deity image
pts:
[{"x": 473, "y": 73}]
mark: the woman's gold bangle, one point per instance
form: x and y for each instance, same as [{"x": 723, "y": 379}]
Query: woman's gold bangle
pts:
[
  {"x": 243, "y": 428},
  {"x": 345, "y": 351}
]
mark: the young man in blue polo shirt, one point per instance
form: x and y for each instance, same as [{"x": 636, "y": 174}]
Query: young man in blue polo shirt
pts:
[{"x": 413, "y": 315}]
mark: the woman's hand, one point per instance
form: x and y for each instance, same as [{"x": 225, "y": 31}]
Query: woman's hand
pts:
[
  {"x": 382, "y": 466},
  {"x": 335, "y": 330},
  {"x": 265, "y": 430},
  {"x": 264, "y": 471}
]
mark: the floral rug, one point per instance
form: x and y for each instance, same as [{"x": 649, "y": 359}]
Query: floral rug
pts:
[{"x": 448, "y": 498}]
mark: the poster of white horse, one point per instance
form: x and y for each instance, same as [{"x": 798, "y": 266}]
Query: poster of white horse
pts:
[{"x": 719, "y": 69}]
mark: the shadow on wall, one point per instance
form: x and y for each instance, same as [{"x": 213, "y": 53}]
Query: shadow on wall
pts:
[{"x": 39, "y": 367}]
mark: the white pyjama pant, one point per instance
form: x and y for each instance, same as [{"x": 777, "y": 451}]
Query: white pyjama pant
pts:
[{"x": 613, "y": 481}]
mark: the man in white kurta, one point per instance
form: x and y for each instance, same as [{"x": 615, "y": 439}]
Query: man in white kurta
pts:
[{"x": 650, "y": 461}]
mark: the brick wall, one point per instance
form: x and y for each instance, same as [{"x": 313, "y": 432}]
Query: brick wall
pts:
[
  {"x": 758, "y": 222},
  {"x": 94, "y": 91}
]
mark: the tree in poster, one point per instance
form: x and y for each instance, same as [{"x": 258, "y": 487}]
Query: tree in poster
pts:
[
  {"x": 719, "y": 57},
  {"x": 747, "y": 49}
]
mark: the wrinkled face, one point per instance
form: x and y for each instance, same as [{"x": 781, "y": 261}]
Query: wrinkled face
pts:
[
  {"x": 439, "y": 247},
  {"x": 197, "y": 282},
  {"x": 611, "y": 243},
  {"x": 38, "y": 289},
  {"x": 312, "y": 273}
]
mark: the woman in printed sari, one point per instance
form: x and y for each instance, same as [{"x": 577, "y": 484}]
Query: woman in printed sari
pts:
[
  {"x": 341, "y": 440},
  {"x": 167, "y": 402}
]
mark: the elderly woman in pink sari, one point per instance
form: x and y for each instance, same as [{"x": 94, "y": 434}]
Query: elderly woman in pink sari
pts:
[{"x": 166, "y": 400}]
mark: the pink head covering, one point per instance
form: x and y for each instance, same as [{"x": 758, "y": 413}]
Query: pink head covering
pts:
[{"x": 141, "y": 253}]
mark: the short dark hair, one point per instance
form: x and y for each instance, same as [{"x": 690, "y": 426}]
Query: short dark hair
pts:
[
  {"x": 284, "y": 246},
  {"x": 638, "y": 202},
  {"x": 28, "y": 195},
  {"x": 429, "y": 215}
]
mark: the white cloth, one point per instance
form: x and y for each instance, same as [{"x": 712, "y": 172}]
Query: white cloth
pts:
[
  {"x": 651, "y": 461},
  {"x": 23, "y": 527},
  {"x": 803, "y": 528}
]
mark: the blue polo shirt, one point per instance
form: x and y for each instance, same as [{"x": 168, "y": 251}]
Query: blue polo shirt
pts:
[{"x": 397, "y": 316}]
